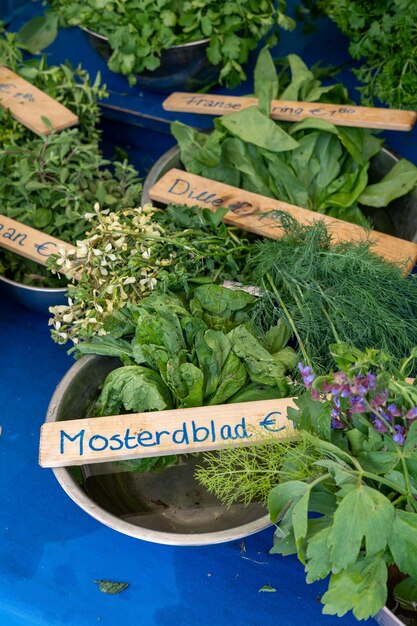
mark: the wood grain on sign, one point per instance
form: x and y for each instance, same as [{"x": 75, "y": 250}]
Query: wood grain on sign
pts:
[
  {"x": 29, "y": 242},
  {"x": 160, "y": 433},
  {"x": 255, "y": 213},
  {"x": 28, "y": 105},
  {"x": 289, "y": 111}
]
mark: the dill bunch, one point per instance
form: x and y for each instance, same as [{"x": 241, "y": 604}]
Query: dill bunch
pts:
[
  {"x": 247, "y": 474},
  {"x": 331, "y": 292}
]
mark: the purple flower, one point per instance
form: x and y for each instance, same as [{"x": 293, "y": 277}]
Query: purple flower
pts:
[
  {"x": 399, "y": 436},
  {"x": 335, "y": 413},
  {"x": 359, "y": 385},
  {"x": 336, "y": 423},
  {"x": 412, "y": 413},
  {"x": 345, "y": 393},
  {"x": 336, "y": 401},
  {"x": 357, "y": 405},
  {"x": 315, "y": 394},
  {"x": 379, "y": 425},
  {"x": 307, "y": 374},
  {"x": 379, "y": 400},
  {"x": 394, "y": 411}
]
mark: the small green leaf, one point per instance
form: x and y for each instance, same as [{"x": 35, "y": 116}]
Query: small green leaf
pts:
[
  {"x": 405, "y": 593},
  {"x": 370, "y": 516},
  {"x": 108, "y": 586},
  {"x": 403, "y": 542},
  {"x": 38, "y": 33},
  {"x": 361, "y": 588}
]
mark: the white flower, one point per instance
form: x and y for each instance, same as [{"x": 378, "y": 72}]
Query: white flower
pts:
[
  {"x": 146, "y": 254},
  {"x": 129, "y": 281}
]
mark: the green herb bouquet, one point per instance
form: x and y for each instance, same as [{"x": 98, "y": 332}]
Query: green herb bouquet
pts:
[
  {"x": 383, "y": 38},
  {"x": 363, "y": 419},
  {"x": 138, "y": 30},
  {"x": 50, "y": 182}
]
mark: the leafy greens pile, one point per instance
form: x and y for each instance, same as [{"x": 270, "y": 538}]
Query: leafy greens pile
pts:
[
  {"x": 50, "y": 182},
  {"x": 383, "y": 37},
  {"x": 181, "y": 353},
  {"x": 138, "y": 30},
  {"x": 312, "y": 164}
]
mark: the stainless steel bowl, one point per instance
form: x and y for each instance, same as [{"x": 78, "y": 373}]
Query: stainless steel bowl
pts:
[
  {"x": 168, "y": 507},
  {"x": 184, "y": 67},
  {"x": 35, "y": 298},
  {"x": 386, "y": 618},
  {"x": 399, "y": 218}
]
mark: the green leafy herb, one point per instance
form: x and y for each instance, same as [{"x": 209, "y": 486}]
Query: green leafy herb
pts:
[
  {"x": 328, "y": 292},
  {"x": 312, "y": 164},
  {"x": 367, "y": 477},
  {"x": 382, "y": 37},
  {"x": 174, "y": 358},
  {"x": 138, "y": 31},
  {"x": 51, "y": 182},
  {"x": 129, "y": 253}
]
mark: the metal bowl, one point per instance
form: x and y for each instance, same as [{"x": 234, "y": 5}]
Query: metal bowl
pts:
[
  {"x": 385, "y": 617},
  {"x": 184, "y": 67},
  {"x": 398, "y": 218},
  {"x": 35, "y": 298},
  {"x": 169, "y": 507}
]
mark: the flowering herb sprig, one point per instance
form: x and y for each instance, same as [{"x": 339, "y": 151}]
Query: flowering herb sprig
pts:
[
  {"x": 349, "y": 394},
  {"x": 363, "y": 419},
  {"x": 128, "y": 254}
]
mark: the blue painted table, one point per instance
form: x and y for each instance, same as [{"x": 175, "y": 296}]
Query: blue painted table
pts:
[{"x": 51, "y": 552}]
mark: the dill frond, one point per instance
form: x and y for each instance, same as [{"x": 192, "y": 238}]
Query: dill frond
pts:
[
  {"x": 329, "y": 292},
  {"x": 247, "y": 474}
]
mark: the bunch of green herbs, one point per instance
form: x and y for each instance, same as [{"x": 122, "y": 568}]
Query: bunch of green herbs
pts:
[
  {"x": 139, "y": 30},
  {"x": 363, "y": 419},
  {"x": 330, "y": 291},
  {"x": 50, "y": 182},
  {"x": 130, "y": 253},
  {"x": 312, "y": 164},
  {"x": 70, "y": 86},
  {"x": 383, "y": 38},
  {"x": 181, "y": 352}
]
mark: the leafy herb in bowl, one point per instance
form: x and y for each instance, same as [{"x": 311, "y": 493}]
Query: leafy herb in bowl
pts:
[
  {"x": 177, "y": 350},
  {"x": 139, "y": 33},
  {"x": 313, "y": 164},
  {"x": 50, "y": 182},
  {"x": 382, "y": 37}
]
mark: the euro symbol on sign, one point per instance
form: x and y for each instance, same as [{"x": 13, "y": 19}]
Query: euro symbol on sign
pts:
[
  {"x": 269, "y": 422},
  {"x": 43, "y": 248}
]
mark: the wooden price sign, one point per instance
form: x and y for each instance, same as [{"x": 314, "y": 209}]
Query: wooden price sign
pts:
[
  {"x": 28, "y": 105},
  {"x": 29, "y": 242},
  {"x": 161, "y": 433},
  {"x": 289, "y": 111},
  {"x": 258, "y": 214}
]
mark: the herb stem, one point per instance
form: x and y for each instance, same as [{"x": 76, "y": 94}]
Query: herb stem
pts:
[{"x": 289, "y": 318}]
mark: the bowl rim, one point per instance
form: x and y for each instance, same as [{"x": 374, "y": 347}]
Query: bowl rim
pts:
[
  {"x": 79, "y": 496},
  {"x": 180, "y": 45},
  {"x": 30, "y": 288}
]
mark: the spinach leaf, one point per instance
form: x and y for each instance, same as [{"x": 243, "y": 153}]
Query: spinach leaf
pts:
[
  {"x": 252, "y": 126},
  {"x": 133, "y": 388},
  {"x": 401, "y": 179}
]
